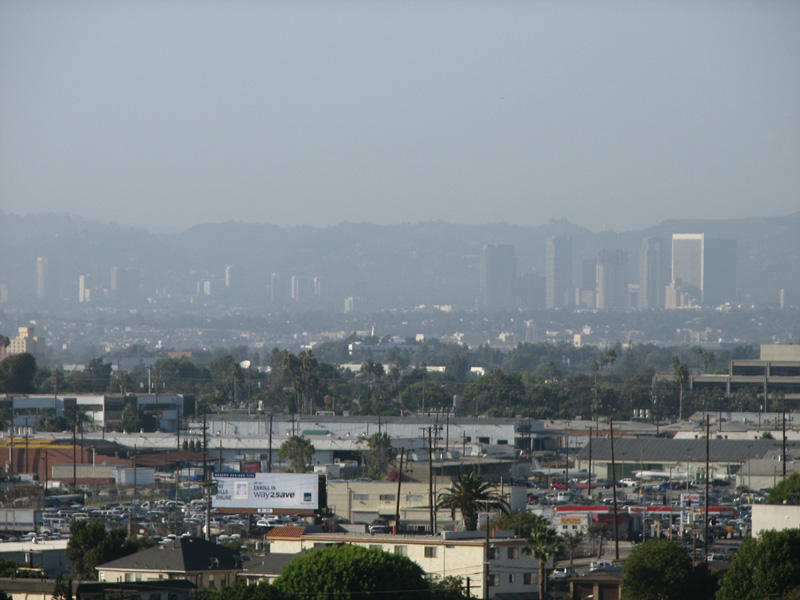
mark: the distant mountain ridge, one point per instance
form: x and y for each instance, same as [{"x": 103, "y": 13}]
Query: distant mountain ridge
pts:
[{"x": 393, "y": 265}]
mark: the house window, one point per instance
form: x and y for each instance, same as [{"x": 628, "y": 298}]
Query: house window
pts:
[
  {"x": 490, "y": 553},
  {"x": 483, "y": 440},
  {"x": 375, "y": 547},
  {"x": 430, "y": 551},
  {"x": 401, "y": 550},
  {"x": 512, "y": 553},
  {"x": 502, "y": 442},
  {"x": 413, "y": 498},
  {"x": 361, "y": 497},
  {"x": 492, "y": 580},
  {"x": 387, "y": 497},
  {"x": 127, "y": 576},
  {"x": 527, "y": 579},
  {"x": 510, "y": 578}
]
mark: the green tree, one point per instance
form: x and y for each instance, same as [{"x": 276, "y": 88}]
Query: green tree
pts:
[
  {"x": 99, "y": 373},
  {"x": 680, "y": 373},
  {"x": 471, "y": 495},
  {"x": 571, "y": 542},
  {"x": 8, "y": 568},
  {"x": 298, "y": 451},
  {"x": 764, "y": 567},
  {"x": 17, "y": 372},
  {"x": 656, "y": 570},
  {"x": 130, "y": 420},
  {"x": 352, "y": 572},
  {"x": 521, "y": 522},
  {"x": 91, "y": 545},
  {"x": 599, "y": 532},
  {"x": 451, "y": 587},
  {"x": 62, "y": 590},
  {"x": 787, "y": 491},
  {"x": 379, "y": 455},
  {"x": 543, "y": 543},
  {"x": 242, "y": 591}
]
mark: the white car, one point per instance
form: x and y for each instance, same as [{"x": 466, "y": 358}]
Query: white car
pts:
[{"x": 563, "y": 573}]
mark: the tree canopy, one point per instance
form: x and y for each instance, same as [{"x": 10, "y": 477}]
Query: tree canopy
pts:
[
  {"x": 91, "y": 545},
  {"x": 656, "y": 570},
  {"x": 764, "y": 567},
  {"x": 348, "y": 571},
  {"x": 17, "y": 374},
  {"x": 298, "y": 451},
  {"x": 471, "y": 495},
  {"x": 787, "y": 491}
]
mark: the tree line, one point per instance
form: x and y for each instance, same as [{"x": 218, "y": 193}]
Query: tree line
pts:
[{"x": 536, "y": 380}]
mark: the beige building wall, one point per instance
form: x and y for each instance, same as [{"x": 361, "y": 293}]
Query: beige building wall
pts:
[
  {"x": 205, "y": 579},
  {"x": 365, "y": 501},
  {"x": 775, "y": 516},
  {"x": 511, "y": 570}
]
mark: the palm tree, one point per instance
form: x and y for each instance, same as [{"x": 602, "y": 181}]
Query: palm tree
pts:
[
  {"x": 471, "y": 495},
  {"x": 681, "y": 375},
  {"x": 298, "y": 451},
  {"x": 571, "y": 543},
  {"x": 543, "y": 543}
]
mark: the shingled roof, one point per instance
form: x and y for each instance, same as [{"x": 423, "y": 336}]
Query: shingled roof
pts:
[{"x": 182, "y": 555}]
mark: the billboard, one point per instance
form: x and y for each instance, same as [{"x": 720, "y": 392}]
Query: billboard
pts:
[{"x": 267, "y": 491}]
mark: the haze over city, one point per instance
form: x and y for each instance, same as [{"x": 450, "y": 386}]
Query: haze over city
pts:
[{"x": 611, "y": 115}]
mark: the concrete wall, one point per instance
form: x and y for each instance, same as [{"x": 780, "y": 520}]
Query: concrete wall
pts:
[{"x": 775, "y": 516}]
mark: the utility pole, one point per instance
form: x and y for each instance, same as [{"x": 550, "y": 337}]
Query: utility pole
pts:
[
  {"x": 134, "y": 471},
  {"x": 708, "y": 442},
  {"x": 614, "y": 487},
  {"x": 206, "y": 478},
  {"x": 269, "y": 456},
  {"x": 397, "y": 501},
  {"x": 783, "y": 441},
  {"x": 430, "y": 477},
  {"x": 74, "y": 446},
  {"x": 590, "y": 461},
  {"x": 486, "y": 562}
]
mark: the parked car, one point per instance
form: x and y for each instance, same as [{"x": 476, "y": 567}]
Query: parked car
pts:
[
  {"x": 563, "y": 572},
  {"x": 599, "y": 565}
]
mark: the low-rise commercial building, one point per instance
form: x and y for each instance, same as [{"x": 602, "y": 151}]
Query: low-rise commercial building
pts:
[{"x": 499, "y": 562}]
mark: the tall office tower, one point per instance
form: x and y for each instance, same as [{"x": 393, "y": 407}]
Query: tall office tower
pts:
[
  {"x": 275, "y": 295},
  {"x": 706, "y": 268},
  {"x": 228, "y": 276},
  {"x": 203, "y": 287},
  {"x": 41, "y": 277},
  {"x": 585, "y": 294},
  {"x": 114, "y": 284},
  {"x": 612, "y": 286},
  {"x": 317, "y": 287},
  {"x": 498, "y": 277},
  {"x": 84, "y": 293},
  {"x": 558, "y": 272},
  {"x": 688, "y": 250},
  {"x": 651, "y": 274},
  {"x": 349, "y": 305},
  {"x": 719, "y": 271},
  {"x": 296, "y": 288}
]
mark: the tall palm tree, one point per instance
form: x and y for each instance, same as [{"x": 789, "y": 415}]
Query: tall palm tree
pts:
[
  {"x": 681, "y": 375},
  {"x": 471, "y": 495},
  {"x": 543, "y": 542}
]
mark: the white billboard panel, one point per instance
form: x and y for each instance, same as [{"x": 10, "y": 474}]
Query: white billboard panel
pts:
[{"x": 290, "y": 491}]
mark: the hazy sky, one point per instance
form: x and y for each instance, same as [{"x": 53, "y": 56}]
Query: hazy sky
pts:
[{"x": 609, "y": 114}]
